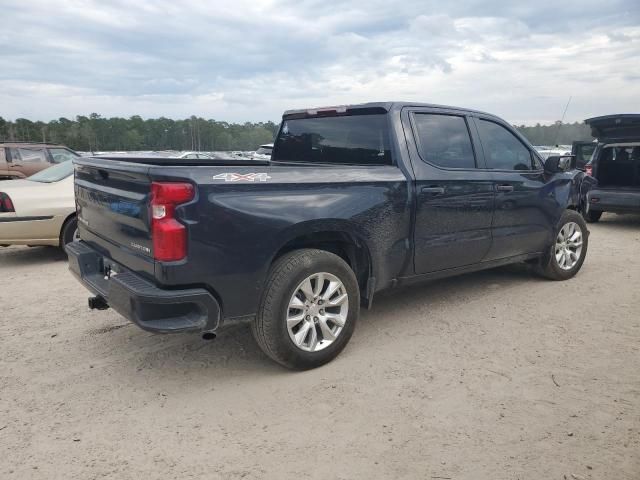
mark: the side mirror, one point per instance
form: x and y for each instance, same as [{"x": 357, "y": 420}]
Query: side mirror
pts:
[{"x": 560, "y": 163}]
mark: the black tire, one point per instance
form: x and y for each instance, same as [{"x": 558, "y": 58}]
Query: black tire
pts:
[
  {"x": 270, "y": 326},
  {"x": 548, "y": 266},
  {"x": 68, "y": 231},
  {"x": 592, "y": 216}
]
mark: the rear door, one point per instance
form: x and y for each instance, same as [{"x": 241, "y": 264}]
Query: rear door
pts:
[
  {"x": 520, "y": 223},
  {"x": 583, "y": 152},
  {"x": 27, "y": 160},
  {"x": 454, "y": 198}
]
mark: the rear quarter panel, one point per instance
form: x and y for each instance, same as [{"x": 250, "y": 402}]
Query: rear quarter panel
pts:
[{"x": 237, "y": 227}]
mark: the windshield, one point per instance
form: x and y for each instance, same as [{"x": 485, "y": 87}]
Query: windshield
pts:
[{"x": 53, "y": 174}]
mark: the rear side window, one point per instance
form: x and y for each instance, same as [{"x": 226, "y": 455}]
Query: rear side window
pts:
[
  {"x": 28, "y": 155},
  {"x": 444, "y": 140},
  {"x": 349, "y": 140},
  {"x": 2, "y": 158},
  {"x": 502, "y": 149}
]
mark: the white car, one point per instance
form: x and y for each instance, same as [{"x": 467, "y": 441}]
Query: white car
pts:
[
  {"x": 193, "y": 155},
  {"x": 263, "y": 152},
  {"x": 547, "y": 151},
  {"x": 39, "y": 210}
]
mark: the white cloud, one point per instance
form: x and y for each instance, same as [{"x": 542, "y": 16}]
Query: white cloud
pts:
[{"x": 251, "y": 60}]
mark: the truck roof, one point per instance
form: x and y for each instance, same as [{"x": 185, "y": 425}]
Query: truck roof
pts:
[{"x": 371, "y": 107}]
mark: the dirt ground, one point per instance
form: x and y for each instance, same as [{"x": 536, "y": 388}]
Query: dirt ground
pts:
[{"x": 494, "y": 375}]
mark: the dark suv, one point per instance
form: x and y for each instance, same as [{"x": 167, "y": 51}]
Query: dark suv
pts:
[
  {"x": 615, "y": 164},
  {"x": 23, "y": 159}
]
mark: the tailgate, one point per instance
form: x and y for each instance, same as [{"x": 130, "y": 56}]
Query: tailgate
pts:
[{"x": 113, "y": 213}]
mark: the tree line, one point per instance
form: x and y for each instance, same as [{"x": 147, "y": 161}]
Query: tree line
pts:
[
  {"x": 96, "y": 133},
  {"x": 557, "y": 134}
]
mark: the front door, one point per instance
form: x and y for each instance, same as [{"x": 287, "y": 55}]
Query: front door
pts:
[
  {"x": 523, "y": 219},
  {"x": 454, "y": 198}
]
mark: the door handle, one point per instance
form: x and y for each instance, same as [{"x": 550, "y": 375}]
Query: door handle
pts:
[
  {"x": 504, "y": 188},
  {"x": 433, "y": 190},
  {"x": 16, "y": 164}
]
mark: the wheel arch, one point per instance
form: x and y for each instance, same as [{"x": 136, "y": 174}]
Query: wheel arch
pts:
[{"x": 344, "y": 243}]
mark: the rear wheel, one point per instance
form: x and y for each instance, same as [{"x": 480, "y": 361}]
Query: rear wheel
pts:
[
  {"x": 69, "y": 232},
  {"x": 592, "y": 216},
  {"x": 566, "y": 256},
  {"x": 309, "y": 309}
]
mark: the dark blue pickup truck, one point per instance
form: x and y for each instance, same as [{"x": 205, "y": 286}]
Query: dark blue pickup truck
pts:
[{"x": 355, "y": 199}]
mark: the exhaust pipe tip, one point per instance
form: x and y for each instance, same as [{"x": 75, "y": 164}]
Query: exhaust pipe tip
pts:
[{"x": 208, "y": 336}]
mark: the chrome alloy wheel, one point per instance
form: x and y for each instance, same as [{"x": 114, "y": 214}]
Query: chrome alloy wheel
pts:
[
  {"x": 568, "y": 245},
  {"x": 317, "y": 312}
]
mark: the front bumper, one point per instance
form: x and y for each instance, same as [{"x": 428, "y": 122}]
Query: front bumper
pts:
[
  {"x": 620, "y": 200},
  {"x": 139, "y": 300}
]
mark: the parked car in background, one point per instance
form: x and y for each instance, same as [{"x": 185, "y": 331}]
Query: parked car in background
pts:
[
  {"x": 192, "y": 155},
  {"x": 355, "y": 200},
  {"x": 615, "y": 164},
  {"x": 39, "y": 210},
  {"x": 22, "y": 159},
  {"x": 263, "y": 152},
  {"x": 583, "y": 152},
  {"x": 546, "y": 151}
]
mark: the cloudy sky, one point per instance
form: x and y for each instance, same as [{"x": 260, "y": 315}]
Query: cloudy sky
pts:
[{"x": 250, "y": 60}]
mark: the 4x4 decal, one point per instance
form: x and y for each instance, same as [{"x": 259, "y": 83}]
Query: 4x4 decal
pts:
[{"x": 247, "y": 177}]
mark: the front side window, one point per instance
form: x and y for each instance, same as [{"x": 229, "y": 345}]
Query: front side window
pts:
[
  {"x": 502, "y": 149},
  {"x": 444, "y": 140},
  {"x": 348, "y": 140},
  {"x": 60, "y": 155},
  {"x": 28, "y": 155}
]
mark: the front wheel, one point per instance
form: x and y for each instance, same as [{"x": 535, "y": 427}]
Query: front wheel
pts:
[
  {"x": 566, "y": 256},
  {"x": 309, "y": 309}
]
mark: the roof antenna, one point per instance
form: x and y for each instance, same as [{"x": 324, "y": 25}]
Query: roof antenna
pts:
[{"x": 555, "y": 142}]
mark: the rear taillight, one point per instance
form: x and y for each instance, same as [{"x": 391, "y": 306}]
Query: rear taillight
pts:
[
  {"x": 589, "y": 170},
  {"x": 6, "y": 205},
  {"x": 169, "y": 236}
]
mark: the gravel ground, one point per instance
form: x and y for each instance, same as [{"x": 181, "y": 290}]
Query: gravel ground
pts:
[{"x": 493, "y": 375}]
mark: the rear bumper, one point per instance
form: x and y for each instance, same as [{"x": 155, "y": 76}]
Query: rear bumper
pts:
[
  {"x": 619, "y": 200},
  {"x": 137, "y": 299}
]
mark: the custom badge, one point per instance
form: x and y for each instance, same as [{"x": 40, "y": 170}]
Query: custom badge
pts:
[{"x": 242, "y": 177}]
